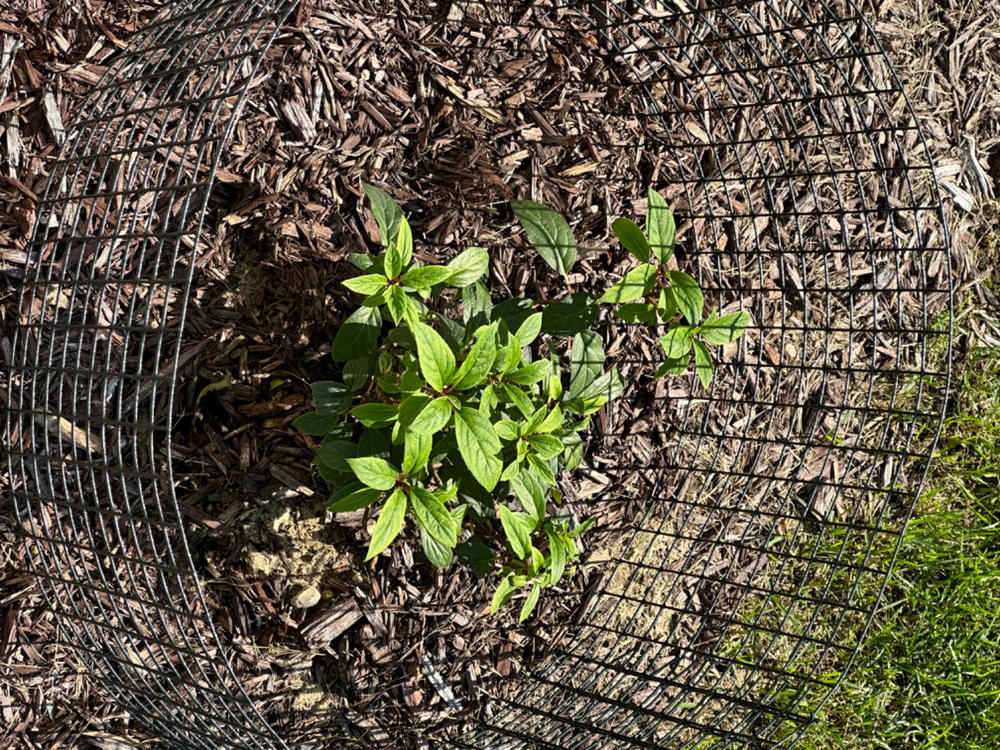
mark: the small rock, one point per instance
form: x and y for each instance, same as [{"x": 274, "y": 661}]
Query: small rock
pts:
[{"x": 306, "y": 597}]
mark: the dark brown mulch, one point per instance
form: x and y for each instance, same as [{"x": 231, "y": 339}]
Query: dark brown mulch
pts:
[{"x": 353, "y": 95}]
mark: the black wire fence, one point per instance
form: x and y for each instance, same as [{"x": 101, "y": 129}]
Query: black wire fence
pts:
[{"x": 729, "y": 608}]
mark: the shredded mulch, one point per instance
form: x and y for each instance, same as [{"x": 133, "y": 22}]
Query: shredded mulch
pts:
[{"x": 455, "y": 116}]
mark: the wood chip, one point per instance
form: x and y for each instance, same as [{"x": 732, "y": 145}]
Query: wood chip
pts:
[
  {"x": 438, "y": 683},
  {"x": 53, "y": 118},
  {"x": 301, "y": 121},
  {"x": 332, "y": 623},
  {"x": 14, "y": 144}
]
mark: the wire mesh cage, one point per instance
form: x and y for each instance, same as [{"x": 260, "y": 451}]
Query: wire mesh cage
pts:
[{"x": 731, "y": 598}]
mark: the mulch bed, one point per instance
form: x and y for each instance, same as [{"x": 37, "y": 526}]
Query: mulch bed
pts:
[{"x": 454, "y": 119}]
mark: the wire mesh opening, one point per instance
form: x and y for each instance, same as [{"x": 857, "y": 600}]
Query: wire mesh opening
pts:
[{"x": 729, "y": 601}]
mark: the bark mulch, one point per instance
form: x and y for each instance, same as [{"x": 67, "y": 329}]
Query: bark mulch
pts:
[{"x": 455, "y": 116}]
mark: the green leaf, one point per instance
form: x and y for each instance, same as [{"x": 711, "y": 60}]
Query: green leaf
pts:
[
  {"x": 411, "y": 380},
  {"x": 362, "y": 261},
  {"x": 387, "y": 213},
  {"x": 476, "y": 305},
  {"x": 586, "y": 358},
  {"x": 666, "y": 305},
  {"x": 513, "y": 312},
  {"x": 557, "y": 557},
  {"x": 506, "y": 429},
  {"x": 632, "y": 238},
  {"x": 537, "y": 560},
  {"x": 389, "y": 524},
  {"x": 529, "y": 329},
  {"x": 433, "y": 517},
  {"x": 547, "y": 446},
  {"x": 434, "y": 417},
  {"x": 582, "y": 528},
  {"x": 395, "y": 300},
  {"x": 553, "y": 421},
  {"x": 522, "y": 450},
  {"x": 676, "y": 342},
  {"x": 542, "y": 470},
  {"x": 573, "y": 454},
  {"x": 702, "y": 363},
  {"x": 477, "y": 556},
  {"x": 374, "y": 472},
  {"x": 416, "y": 451},
  {"x": 555, "y": 388},
  {"x": 313, "y": 423},
  {"x": 585, "y": 407},
  {"x": 725, "y": 328},
  {"x": 571, "y": 314},
  {"x": 636, "y": 284},
  {"x": 516, "y": 531},
  {"x": 487, "y": 400},
  {"x": 688, "y": 295},
  {"x": 504, "y": 591},
  {"x": 452, "y": 468},
  {"x": 331, "y": 458},
  {"x": 468, "y": 267},
  {"x": 357, "y": 372},
  {"x": 425, "y": 277},
  {"x": 393, "y": 261},
  {"x": 330, "y": 397},
  {"x": 451, "y": 330},
  {"x": 660, "y": 227},
  {"x": 531, "y": 372},
  {"x": 608, "y": 386},
  {"x": 479, "y": 447},
  {"x": 530, "y": 602},
  {"x": 374, "y": 300},
  {"x": 548, "y": 232},
  {"x": 479, "y": 361},
  {"x": 448, "y": 494},
  {"x": 368, "y": 284},
  {"x": 511, "y": 470},
  {"x": 438, "y": 554},
  {"x": 520, "y": 399},
  {"x": 402, "y": 337},
  {"x": 404, "y": 242},
  {"x": 530, "y": 493},
  {"x": 374, "y": 414},
  {"x": 411, "y": 406},
  {"x": 437, "y": 362},
  {"x": 353, "y": 496},
  {"x": 637, "y": 312},
  {"x": 511, "y": 353},
  {"x": 357, "y": 335},
  {"x": 374, "y": 442},
  {"x": 673, "y": 366},
  {"x": 537, "y": 416}
]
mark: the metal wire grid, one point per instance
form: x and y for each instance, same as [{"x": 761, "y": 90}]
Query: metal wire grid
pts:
[
  {"x": 95, "y": 359},
  {"x": 741, "y": 656},
  {"x": 801, "y": 182}
]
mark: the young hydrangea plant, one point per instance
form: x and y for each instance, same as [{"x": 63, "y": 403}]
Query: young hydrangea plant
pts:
[
  {"x": 667, "y": 293},
  {"x": 460, "y": 414}
]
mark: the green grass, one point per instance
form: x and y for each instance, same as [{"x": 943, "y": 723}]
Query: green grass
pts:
[{"x": 929, "y": 674}]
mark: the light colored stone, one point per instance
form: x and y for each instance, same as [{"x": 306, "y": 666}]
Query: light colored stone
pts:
[{"x": 306, "y": 597}]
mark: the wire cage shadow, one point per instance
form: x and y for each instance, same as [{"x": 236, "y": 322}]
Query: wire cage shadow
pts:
[{"x": 731, "y": 605}]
